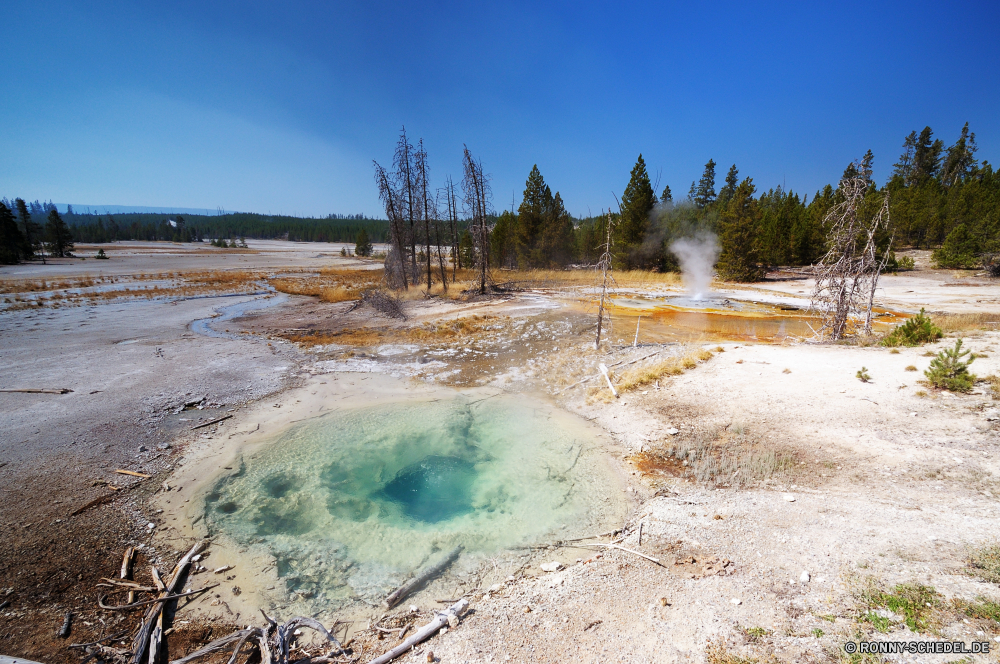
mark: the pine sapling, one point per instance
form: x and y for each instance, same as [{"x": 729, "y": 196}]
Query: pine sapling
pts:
[
  {"x": 863, "y": 375},
  {"x": 950, "y": 371}
]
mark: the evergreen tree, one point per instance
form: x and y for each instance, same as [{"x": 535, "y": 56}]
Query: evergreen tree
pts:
[
  {"x": 903, "y": 169},
  {"x": 741, "y": 256},
  {"x": 362, "y": 244},
  {"x": 57, "y": 235},
  {"x": 531, "y": 219},
  {"x": 666, "y": 196},
  {"x": 728, "y": 189},
  {"x": 29, "y": 230},
  {"x": 960, "y": 161},
  {"x": 502, "y": 247},
  {"x": 11, "y": 240},
  {"x": 926, "y": 155},
  {"x": 557, "y": 233},
  {"x": 867, "y": 164},
  {"x": 638, "y": 201},
  {"x": 705, "y": 193}
]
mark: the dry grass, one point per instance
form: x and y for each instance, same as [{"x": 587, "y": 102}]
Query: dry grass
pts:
[
  {"x": 585, "y": 277},
  {"x": 723, "y": 457},
  {"x": 957, "y": 323},
  {"x": 718, "y": 652},
  {"x": 648, "y": 373},
  {"x": 439, "y": 331},
  {"x": 994, "y": 383}
]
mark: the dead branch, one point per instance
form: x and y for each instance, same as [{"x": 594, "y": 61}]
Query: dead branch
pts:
[
  {"x": 604, "y": 265},
  {"x": 622, "y": 548},
  {"x": 448, "y": 617},
  {"x": 39, "y": 390},
  {"x": 423, "y": 577},
  {"x": 144, "y": 476},
  {"x": 165, "y": 598},
  {"x": 208, "y": 424}
]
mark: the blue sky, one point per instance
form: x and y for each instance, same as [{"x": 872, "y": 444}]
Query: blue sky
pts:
[{"x": 281, "y": 107}]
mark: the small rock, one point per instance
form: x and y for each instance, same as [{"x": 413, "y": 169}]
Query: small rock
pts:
[
  {"x": 526, "y": 609},
  {"x": 452, "y": 620},
  {"x": 672, "y": 431},
  {"x": 413, "y": 608},
  {"x": 664, "y": 602},
  {"x": 495, "y": 588},
  {"x": 804, "y": 577},
  {"x": 736, "y": 601},
  {"x": 510, "y": 579},
  {"x": 151, "y": 525},
  {"x": 430, "y": 655},
  {"x": 789, "y": 497},
  {"x": 142, "y": 448},
  {"x": 553, "y": 566}
]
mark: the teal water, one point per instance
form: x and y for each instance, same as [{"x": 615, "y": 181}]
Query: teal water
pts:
[{"x": 351, "y": 502}]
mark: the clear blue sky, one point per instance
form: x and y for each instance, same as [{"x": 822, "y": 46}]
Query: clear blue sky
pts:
[{"x": 282, "y": 106}]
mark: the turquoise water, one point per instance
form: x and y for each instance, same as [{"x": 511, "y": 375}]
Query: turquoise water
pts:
[{"x": 351, "y": 502}]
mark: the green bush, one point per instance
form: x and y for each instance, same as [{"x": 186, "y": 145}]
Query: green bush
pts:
[
  {"x": 914, "y": 331},
  {"x": 863, "y": 375},
  {"x": 960, "y": 250},
  {"x": 950, "y": 371}
]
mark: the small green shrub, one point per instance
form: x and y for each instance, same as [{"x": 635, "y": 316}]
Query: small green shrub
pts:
[
  {"x": 949, "y": 371},
  {"x": 985, "y": 563},
  {"x": 914, "y": 331},
  {"x": 818, "y": 633},
  {"x": 910, "y": 367},
  {"x": 913, "y": 601},
  {"x": 100, "y": 255},
  {"x": 863, "y": 375},
  {"x": 982, "y": 609}
]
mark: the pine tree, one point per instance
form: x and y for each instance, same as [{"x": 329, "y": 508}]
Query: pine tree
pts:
[
  {"x": 362, "y": 245},
  {"x": 666, "y": 196},
  {"x": 57, "y": 235},
  {"x": 926, "y": 155},
  {"x": 904, "y": 167},
  {"x": 740, "y": 259},
  {"x": 536, "y": 201},
  {"x": 637, "y": 202},
  {"x": 960, "y": 161},
  {"x": 29, "y": 229},
  {"x": 557, "y": 234},
  {"x": 728, "y": 189},
  {"x": 11, "y": 240},
  {"x": 705, "y": 193},
  {"x": 867, "y": 163}
]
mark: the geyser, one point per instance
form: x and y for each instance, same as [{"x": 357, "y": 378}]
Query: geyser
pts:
[
  {"x": 697, "y": 256},
  {"x": 351, "y": 502}
]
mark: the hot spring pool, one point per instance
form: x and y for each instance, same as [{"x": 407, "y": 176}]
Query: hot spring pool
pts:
[{"x": 350, "y": 503}]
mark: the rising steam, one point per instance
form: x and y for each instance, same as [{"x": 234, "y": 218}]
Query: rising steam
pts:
[{"x": 697, "y": 256}]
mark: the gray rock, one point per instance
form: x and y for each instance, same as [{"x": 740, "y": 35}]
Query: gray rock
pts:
[{"x": 553, "y": 566}]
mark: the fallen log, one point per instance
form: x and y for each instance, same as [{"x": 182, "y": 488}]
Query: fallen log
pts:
[
  {"x": 607, "y": 377},
  {"x": 448, "y": 617},
  {"x": 622, "y": 548},
  {"x": 39, "y": 390},
  {"x": 93, "y": 503},
  {"x": 422, "y": 577},
  {"x": 208, "y": 424},
  {"x": 122, "y": 471},
  {"x": 142, "y": 643},
  {"x": 67, "y": 622},
  {"x": 162, "y": 598},
  {"x": 128, "y": 561}
]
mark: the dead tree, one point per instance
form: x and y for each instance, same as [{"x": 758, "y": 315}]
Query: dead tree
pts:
[
  {"x": 477, "y": 194},
  {"x": 847, "y": 276},
  {"x": 607, "y": 279},
  {"x": 406, "y": 181},
  {"x": 453, "y": 226},
  {"x": 395, "y": 261},
  {"x": 427, "y": 205}
]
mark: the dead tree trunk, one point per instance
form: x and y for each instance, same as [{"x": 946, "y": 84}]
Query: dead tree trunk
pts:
[
  {"x": 427, "y": 206},
  {"x": 453, "y": 221},
  {"x": 403, "y": 163},
  {"x": 604, "y": 265},
  {"x": 390, "y": 199},
  {"x": 476, "y": 188},
  {"x": 847, "y": 276}
]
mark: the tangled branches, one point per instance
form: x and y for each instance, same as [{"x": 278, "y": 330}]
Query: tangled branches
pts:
[
  {"x": 382, "y": 302},
  {"x": 847, "y": 276},
  {"x": 267, "y": 644}
]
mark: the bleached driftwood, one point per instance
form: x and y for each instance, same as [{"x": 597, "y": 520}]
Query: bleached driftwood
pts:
[
  {"x": 622, "y": 548},
  {"x": 422, "y": 577},
  {"x": 447, "y": 617},
  {"x": 271, "y": 643},
  {"x": 607, "y": 377},
  {"x": 143, "y": 643},
  {"x": 39, "y": 390}
]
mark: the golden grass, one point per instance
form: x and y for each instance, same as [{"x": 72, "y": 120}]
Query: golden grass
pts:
[
  {"x": 994, "y": 383},
  {"x": 672, "y": 366},
  {"x": 967, "y": 322},
  {"x": 585, "y": 277},
  {"x": 448, "y": 330}
]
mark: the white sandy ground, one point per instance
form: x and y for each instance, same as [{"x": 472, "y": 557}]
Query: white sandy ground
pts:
[{"x": 890, "y": 485}]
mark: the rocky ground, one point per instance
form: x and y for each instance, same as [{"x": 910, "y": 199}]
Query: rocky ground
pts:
[{"x": 842, "y": 489}]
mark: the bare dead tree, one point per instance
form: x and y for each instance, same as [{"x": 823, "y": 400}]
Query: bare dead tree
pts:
[
  {"x": 477, "y": 195},
  {"x": 453, "y": 226},
  {"x": 847, "y": 276},
  {"x": 439, "y": 240},
  {"x": 406, "y": 182},
  {"x": 427, "y": 204},
  {"x": 395, "y": 261},
  {"x": 607, "y": 279}
]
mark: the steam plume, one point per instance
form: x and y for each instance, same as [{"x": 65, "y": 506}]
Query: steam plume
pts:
[{"x": 697, "y": 256}]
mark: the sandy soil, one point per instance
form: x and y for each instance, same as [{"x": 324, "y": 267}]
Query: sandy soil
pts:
[{"x": 881, "y": 485}]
